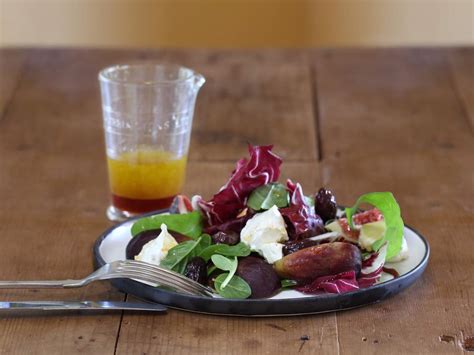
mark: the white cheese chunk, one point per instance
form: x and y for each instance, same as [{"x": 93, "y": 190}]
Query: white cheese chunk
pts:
[
  {"x": 264, "y": 232},
  {"x": 155, "y": 250}
]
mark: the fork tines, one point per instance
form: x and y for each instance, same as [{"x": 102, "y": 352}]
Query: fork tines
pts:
[{"x": 157, "y": 275}]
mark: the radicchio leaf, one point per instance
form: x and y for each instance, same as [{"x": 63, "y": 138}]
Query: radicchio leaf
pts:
[
  {"x": 372, "y": 268},
  {"x": 262, "y": 168},
  {"x": 339, "y": 283},
  {"x": 234, "y": 225},
  {"x": 301, "y": 218}
]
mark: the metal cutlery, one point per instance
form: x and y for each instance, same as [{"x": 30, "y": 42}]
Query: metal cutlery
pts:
[
  {"x": 80, "y": 305},
  {"x": 124, "y": 269}
]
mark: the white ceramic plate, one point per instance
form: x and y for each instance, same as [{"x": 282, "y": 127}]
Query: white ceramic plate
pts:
[{"x": 112, "y": 244}]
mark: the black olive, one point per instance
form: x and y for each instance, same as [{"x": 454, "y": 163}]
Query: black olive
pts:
[
  {"x": 228, "y": 237},
  {"x": 197, "y": 270},
  {"x": 325, "y": 204}
]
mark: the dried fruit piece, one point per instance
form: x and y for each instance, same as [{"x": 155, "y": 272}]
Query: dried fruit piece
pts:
[
  {"x": 228, "y": 237},
  {"x": 325, "y": 204},
  {"x": 293, "y": 246},
  {"x": 197, "y": 270}
]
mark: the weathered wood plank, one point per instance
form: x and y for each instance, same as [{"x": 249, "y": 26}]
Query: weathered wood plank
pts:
[
  {"x": 391, "y": 121},
  {"x": 439, "y": 205},
  {"x": 261, "y": 97},
  {"x": 11, "y": 66},
  {"x": 255, "y": 97},
  {"x": 462, "y": 65},
  {"x": 184, "y": 333},
  {"x": 53, "y": 172},
  {"x": 53, "y": 194},
  {"x": 379, "y": 102}
]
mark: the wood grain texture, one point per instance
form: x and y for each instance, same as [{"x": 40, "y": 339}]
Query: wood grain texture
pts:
[
  {"x": 261, "y": 97},
  {"x": 392, "y": 100},
  {"x": 394, "y": 120},
  {"x": 52, "y": 179},
  {"x": 462, "y": 65},
  {"x": 246, "y": 94},
  {"x": 185, "y": 333},
  {"x": 11, "y": 66},
  {"x": 416, "y": 143}
]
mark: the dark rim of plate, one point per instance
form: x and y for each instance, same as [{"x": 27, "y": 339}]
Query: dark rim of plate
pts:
[{"x": 99, "y": 261}]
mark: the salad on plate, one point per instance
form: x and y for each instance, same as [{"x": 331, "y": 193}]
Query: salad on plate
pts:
[{"x": 257, "y": 236}]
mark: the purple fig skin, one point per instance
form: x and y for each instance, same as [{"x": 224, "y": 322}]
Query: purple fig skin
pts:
[
  {"x": 321, "y": 260},
  {"x": 260, "y": 276}
]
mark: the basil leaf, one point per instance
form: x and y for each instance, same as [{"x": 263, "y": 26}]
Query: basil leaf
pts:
[
  {"x": 390, "y": 209},
  {"x": 267, "y": 196},
  {"x": 178, "y": 256},
  {"x": 225, "y": 264},
  {"x": 288, "y": 283},
  {"x": 236, "y": 288},
  {"x": 189, "y": 224},
  {"x": 239, "y": 249}
]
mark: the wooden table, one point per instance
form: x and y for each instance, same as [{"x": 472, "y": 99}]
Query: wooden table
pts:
[{"x": 352, "y": 120}]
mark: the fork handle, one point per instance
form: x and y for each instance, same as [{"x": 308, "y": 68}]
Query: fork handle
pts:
[{"x": 41, "y": 284}]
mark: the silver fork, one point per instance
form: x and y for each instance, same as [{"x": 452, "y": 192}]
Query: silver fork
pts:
[{"x": 124, "y": 269}]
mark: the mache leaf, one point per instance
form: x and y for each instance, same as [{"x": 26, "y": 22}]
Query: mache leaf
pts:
[
  {"x": 225, "y": 264},
  {"x": 236, "y": 288}
]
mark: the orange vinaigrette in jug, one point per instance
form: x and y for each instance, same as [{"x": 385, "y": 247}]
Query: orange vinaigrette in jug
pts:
[{"x": 145, "y": 179}]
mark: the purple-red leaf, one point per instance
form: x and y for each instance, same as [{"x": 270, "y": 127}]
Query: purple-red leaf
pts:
[
  {"x": 302, "y": 220},
  {"x": 372, "y": 268},
  {"x": 262, "y": 168},
  {"x": 339, "y": 283}
]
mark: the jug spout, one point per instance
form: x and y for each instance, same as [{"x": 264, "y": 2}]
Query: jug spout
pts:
[{"x": 198, "y": 82}]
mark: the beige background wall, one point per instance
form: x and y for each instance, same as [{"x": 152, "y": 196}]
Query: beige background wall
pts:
[{"x": 235, "y": 23}]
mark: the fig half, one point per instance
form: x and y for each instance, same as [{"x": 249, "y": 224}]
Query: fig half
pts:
[{"x": 321, "y": 260}]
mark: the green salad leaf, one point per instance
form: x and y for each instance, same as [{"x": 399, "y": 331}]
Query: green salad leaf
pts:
[
  {"x": 237, "y": 287},
  {"x": 388, "y": 206},
  {"x": 189, "y": 224},
  {"x": 179, "y": 256},
  {"x": 266, "y": 196},
  {"x": 286, "y": 283},
  {"x": 203, "y": 244},
  {"x": 309, "y": 201},
  {"x": 225, "y": 264},
  {"x": 239, "y": 249}
]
